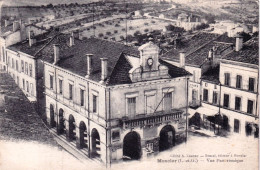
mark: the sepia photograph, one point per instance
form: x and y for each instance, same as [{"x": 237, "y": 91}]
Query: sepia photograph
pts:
[{"x": 123, "y": 85}]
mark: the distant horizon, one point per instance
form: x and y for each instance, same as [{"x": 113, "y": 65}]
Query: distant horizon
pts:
[{"x": 13, "y": 3}]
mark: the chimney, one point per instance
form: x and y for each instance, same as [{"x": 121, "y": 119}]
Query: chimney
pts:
[
  {"x": 239, "y": 42},
  {"x": 210, "y": 56},
  {"x": 15, "y": 26},
  {"x": 103, "y": 69},
  {"x": 56, "y": 53},
  {"x": 72, "y": 40},
  {"x": 7, "y": 22},
  {"x": 80, "y": 36},
  {"x": 32, "y": 39},
  {"x": 20, "y": 22},
  {"x": 89, "y": 64},
  {"x": 182, "y": 58}
]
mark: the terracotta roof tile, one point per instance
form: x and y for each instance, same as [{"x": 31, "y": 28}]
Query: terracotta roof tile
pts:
[{"x": 248, "y": 54}]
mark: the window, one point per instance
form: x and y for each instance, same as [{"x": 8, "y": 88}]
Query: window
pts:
[
  {"x": 26, "y": 68},
  {"x": 22, "y": 65},
  {"x": 238, "y": 103},
  {"x": 60, "y": 86},
  {"x": 116, "y": 135},
  {"x": 31, "y": 87},
  {"x": 3, "y": 52},
  {"x": 51, "y": 82},
  {"x": 215, "y": 98},
  {"x": 94, "y": 103},
  {"x": 70, "y": 91},
  {"x": 131, "y": 106},
  {"x": 81, "y": 97},
  {"x": 251, "y": 86},
  {"x": 236, "y": 125},
  {"x": 226, "y": 100},
  {"x": 239, "y": 82},
  {"x": 167, "y": 102},
  {"x": 150, "y": 103},
  {"x": 12, "y": 63},
  {"x": 30, "y": 70},
  {"x": 227, "y": 79},
  {"x": 250, "y": 105},
  {"x": 18, "y": 81},
  {"x": 205, "y": 95},
  {"x": 23, "y": 84},
  {"x": 27, "y": 86},
  {"x": 194, "y": 76},
  {"x": 16, "y": 65}
]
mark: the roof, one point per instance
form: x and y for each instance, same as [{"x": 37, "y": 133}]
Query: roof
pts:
[
  {"x": 248, "y": 54},
  {"x": 41, "y": 41},
  {"x": 212, "y": 75},
  {"x": 74, "y": 58},
  {"x": 225, "y": 38},
  {"x": 199, "y": 56},
  {"x": 120, "y": 74},
  {"x": 190, "y": 45},
  {"x": 8, "y": 28},
  {"x": 197, "y": 48}
]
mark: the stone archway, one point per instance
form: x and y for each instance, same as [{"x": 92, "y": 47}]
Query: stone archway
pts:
[
  {"x": 167, "y": 138},
  {"x": 61, "y": 126},
  {"x": 132, "y": 146},
  {"x": 83, "y": 136},
  {"x": 52, "y": 117},
  {"x": 72, "y": 128},
  {"x": 95, "y": 140}
]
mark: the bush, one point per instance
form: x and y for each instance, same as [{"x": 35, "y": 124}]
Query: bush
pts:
[
  {"x": 137, "y": 33},
  {"x": 115, "y": 31},
  {"x": 100, "y": 35},
  {"x": 153, "y": 21},
  {"x": 122, "y": 37},
  {"x": 131, "y": 28},
  {"x": 117, "y": 25},
  {"x": 123, "y": 29},
  {"x": 146, "y": 23},
  {"x": 146, "y": 30},
  {"x": 108, "y": 33}
]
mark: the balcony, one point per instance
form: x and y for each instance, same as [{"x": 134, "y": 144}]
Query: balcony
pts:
[
  {"x": 194, "y": 104},
  {"x": 151, "y": 119}
]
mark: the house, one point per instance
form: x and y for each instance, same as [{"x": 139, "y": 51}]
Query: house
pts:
[
  {"x": 232, "y": 90},
  {"x": 109, "y": 101},
  {"x": 115, "y": 104},
  {"x": 13, "y": 33}
]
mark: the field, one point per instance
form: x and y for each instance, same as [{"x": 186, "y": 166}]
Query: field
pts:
[{"x": 115, "y": 29}]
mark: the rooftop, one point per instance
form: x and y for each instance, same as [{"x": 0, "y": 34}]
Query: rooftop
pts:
[
  {"x": 74, "y": 58},
  {"x": 198, "y": 46},
  {"x": 189, "y": 45},
  {"x": 199, "y": 56},
  {"x": 248, "y": 54}
]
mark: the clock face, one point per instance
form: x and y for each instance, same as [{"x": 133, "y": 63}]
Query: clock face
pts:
[{"x": 150, "y": 61}]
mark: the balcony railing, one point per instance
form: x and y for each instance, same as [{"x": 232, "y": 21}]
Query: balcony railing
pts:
[{"x": 151, "y": 119}]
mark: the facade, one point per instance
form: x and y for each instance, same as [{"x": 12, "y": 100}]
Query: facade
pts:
[
  {"x": 115, "y": 104},
  {"x": 232, "y": 90},
  {"x": 199, "y": 54},
  {"x": 12, "y": 33}
]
